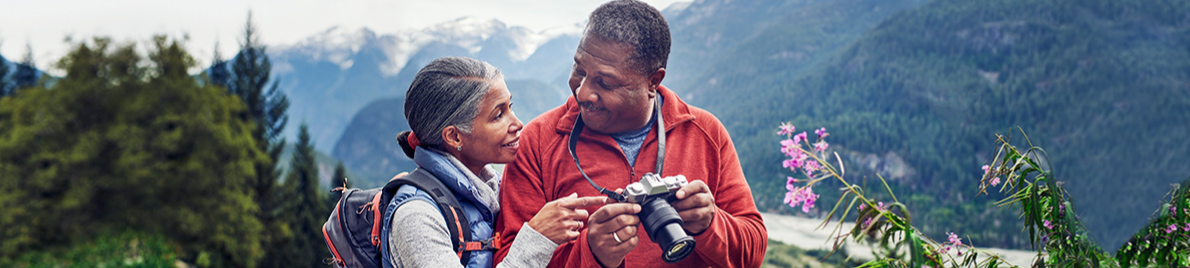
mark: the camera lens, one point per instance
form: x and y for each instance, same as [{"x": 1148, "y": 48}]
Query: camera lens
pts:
[{"x": 664, "y": 226}]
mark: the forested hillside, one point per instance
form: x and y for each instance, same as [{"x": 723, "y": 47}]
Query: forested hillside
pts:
[{"x": 1103, "y": 86}]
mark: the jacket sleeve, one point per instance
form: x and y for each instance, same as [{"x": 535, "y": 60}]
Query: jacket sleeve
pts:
[
  {"x": 523, "y": 192},
  {"x": 737, "y": 236}
]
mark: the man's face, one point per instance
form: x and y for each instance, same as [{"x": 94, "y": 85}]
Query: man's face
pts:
[{"x": 613, "y": 96}]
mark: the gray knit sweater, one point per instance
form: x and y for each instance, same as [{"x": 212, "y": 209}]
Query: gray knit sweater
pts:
[{"x": 420, "y": 237}]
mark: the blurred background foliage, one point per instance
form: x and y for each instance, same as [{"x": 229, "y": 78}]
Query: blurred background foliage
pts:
[{"x": 129, "y": 141}]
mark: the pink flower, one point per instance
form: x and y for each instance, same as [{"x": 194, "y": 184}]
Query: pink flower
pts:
[
  {"x": 1047, "y": 224},
  {"x": 811, "y": 167},
  {"x": 954, "y": 239},
  {"x": 880, "y": 205},
  {"x": 790, "y": 163},
  {"x": 804, "y": 196},
  {"x": 862, "y": 206},
  {"x": 794, "y": 163},
  {"x": 986, "y": 168},
  {"x": 785, "y": 129},
  {"x": 789, "y": 147},
  {"x": 820, "y": 146},
  {"x": 867, "y": 222},
  {"x": 1171, "y": 228},
  {"x": 789, "y": 181},
  {"x": 995, "y": 181},
  {"x": 800, "y": 137},
  {"x": 821, "y": 133},
  {"x": 1187, "y": 228}
]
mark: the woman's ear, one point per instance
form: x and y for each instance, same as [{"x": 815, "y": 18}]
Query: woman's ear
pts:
[{"x": 452, "y": 137}]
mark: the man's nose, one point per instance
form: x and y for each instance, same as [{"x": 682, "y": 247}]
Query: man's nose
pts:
[{"x": 585, "y": 92}]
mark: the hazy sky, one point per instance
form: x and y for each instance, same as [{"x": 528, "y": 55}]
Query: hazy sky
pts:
[{"x": 45, "y": 23}]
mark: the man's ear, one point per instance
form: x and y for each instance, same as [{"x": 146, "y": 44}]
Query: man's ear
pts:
[
  {"x": 655, "y": 81},
  {"x": 452, "y": 136}
]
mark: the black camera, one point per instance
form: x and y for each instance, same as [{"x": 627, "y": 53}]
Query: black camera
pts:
[{"x": 660, "y": 219}]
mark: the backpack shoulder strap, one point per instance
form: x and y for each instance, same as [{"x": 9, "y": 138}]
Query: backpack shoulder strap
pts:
[{"x": 456, "y": 220}]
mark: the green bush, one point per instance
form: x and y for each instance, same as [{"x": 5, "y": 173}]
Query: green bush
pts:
[{"x": 128, "y": 249}]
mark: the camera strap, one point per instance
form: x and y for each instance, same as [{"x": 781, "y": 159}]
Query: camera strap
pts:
[{"x": 578, "y": 129}]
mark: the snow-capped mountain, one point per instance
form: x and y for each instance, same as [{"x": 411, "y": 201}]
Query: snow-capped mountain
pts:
[{"x": 332, "y": 75}]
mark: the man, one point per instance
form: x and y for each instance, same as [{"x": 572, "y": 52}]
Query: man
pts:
[{"x": 616, "y": 81}]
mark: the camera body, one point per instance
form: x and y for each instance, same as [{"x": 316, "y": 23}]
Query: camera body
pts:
[
  {"x": 653, "y": 186},
  {"x": 660, "y": 219}
]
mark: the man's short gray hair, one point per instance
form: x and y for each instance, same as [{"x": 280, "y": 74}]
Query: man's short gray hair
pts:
[
  {"x": 446, "y": 93},
  {"x": 637, "y": 24}
]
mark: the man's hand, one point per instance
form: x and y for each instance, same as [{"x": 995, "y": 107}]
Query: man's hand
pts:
[
  {"x": 696, "y": 206},
  {"x": 612, "y": 232},
  {"x": 560, "y": 220}
]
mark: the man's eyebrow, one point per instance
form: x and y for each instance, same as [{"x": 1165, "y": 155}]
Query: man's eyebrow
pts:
[{"x": 601, "y": 72}]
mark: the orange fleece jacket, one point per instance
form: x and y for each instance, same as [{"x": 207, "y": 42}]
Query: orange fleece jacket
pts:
[{"x": 697, "y": 146}]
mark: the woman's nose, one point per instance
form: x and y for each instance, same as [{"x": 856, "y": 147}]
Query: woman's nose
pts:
[{"x": 516, "y": 124}]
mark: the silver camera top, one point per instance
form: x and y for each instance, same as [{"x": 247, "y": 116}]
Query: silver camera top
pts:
[{"x": 653, "y": 185}]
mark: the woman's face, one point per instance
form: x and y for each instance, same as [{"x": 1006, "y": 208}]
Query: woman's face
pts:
[{"x": 495, "y": 134}]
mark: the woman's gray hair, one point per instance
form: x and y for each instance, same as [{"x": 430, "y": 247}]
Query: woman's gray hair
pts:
[{"x": 445, "y": 93}]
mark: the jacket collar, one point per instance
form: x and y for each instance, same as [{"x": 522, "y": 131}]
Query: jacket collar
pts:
[
  {"x": 673, "y": 110},
  {"x": 460, "y": 180}
]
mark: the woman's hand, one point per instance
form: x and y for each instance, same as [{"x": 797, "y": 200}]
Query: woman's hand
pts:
[{"x": 561, "y": 220}]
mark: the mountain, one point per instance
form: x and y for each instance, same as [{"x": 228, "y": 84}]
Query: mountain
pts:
[
  {"x": 1102, "y": 86},
  {"x": 330, "y": 76},
  {"x": 349, "y": 85},
  {"x": 369, "y": 145}
]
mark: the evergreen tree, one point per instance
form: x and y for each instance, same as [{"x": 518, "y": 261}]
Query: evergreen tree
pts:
[
  {"x": 123, "y": 143},
  {"x": 26, "y": 73},
  {"x": 306, "y": 207},
  {"x": 339, "y": 179},
  {"x": 248, "y": 80},
  {"x": 218, "y": 72},
  {"x": 250, "y": 76},
  {"x": 3, "y": 77}
]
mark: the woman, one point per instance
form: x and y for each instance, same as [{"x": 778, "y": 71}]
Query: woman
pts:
[{"x": 459, "y": 110}]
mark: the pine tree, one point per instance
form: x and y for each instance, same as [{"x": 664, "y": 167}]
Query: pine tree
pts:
[
  {"x": 339, "y": 179},
  {"x": 306, "y": 207},
  {"x": 25, "y": 74},
  {"x": 218, "y": 72},
  {"x": 248, "y": 80},
  {"x": 3, "y": 77},
  {"x": 250, "y": 76}
]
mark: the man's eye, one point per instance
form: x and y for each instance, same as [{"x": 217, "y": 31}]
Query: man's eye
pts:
[{"x": 604, "y": 85}]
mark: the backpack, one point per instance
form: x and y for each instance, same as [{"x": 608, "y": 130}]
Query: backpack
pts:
[{"x": 352, "y": 231}]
